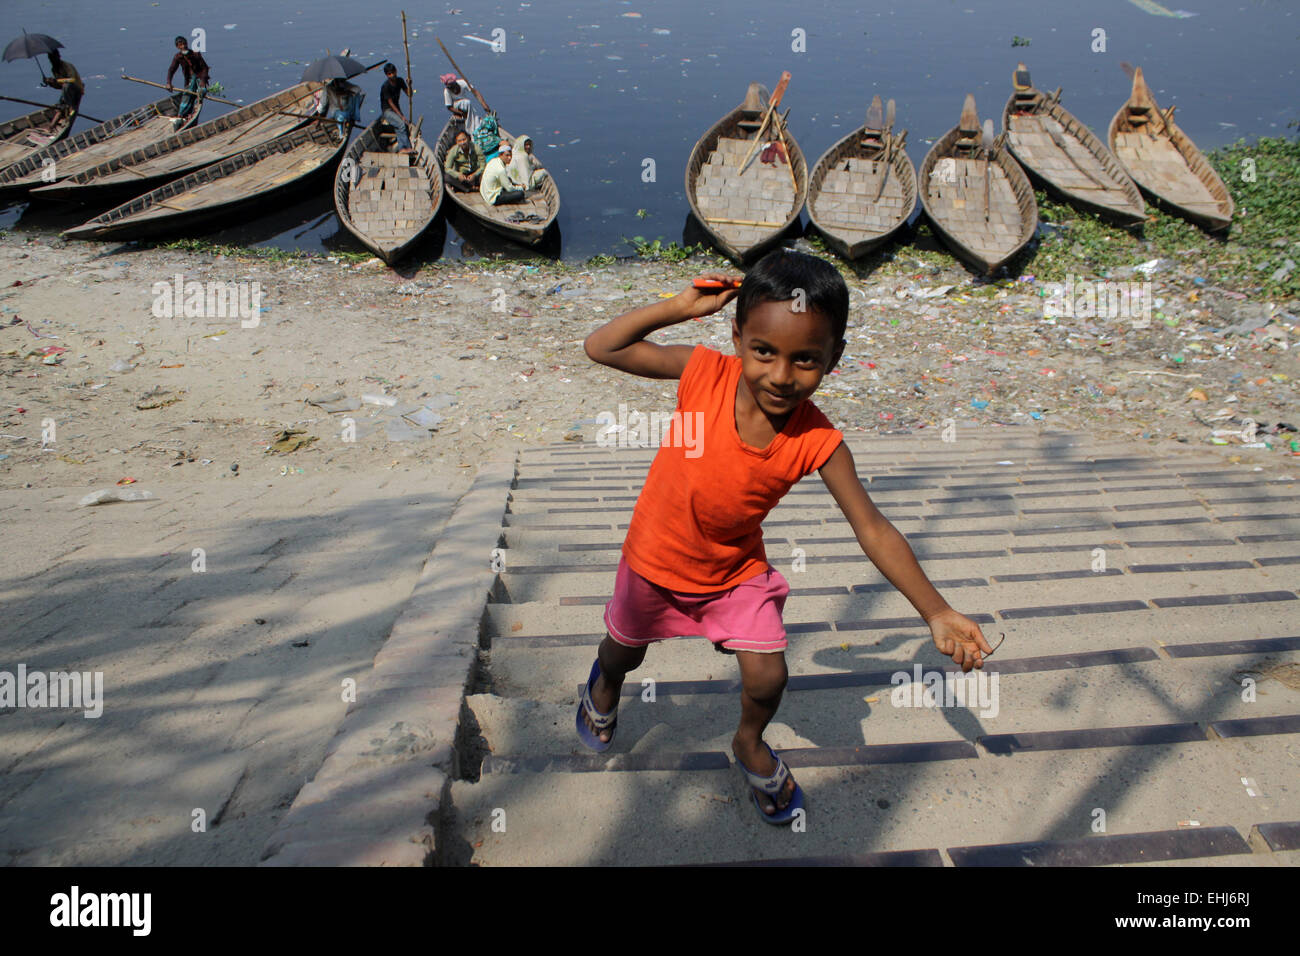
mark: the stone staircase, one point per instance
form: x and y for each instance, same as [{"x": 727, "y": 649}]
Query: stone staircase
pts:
[{"x": 1136, "y": 594}]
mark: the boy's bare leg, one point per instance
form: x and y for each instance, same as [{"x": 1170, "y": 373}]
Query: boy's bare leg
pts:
[
  {"x": 763, "y": 678},
  {"x": 615, "y": 661}
]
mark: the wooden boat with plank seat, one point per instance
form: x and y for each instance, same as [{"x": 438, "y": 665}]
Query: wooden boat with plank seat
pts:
[
  {"x": 1067, "y": 157},
  {"x": 1166, "y": 164},
  {"x": 291, "y": 163},
  {"x": 863, "y": 189},
  {"x": 68, "y": 157},
  {"x": 385, "y": 198},
  {"x": 746, "y": 213},
  {"x": 145, "y": 167},
  {"x": 525, "y": 221},
  {"x": 23, "y": 135},
  {"x": 976, "y": 196}
]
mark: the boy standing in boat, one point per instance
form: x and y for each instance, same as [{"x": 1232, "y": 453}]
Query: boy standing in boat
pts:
[
  {"x": 693, "y": 561},
  {"x": 390, "y": 101},
  {"x": 195, "y": 71}
]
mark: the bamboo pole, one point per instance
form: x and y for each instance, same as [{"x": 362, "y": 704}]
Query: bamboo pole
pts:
[
  {"x": 410, "y": 85},
  {"x": 215, "y": 99},
  {"x": 14, "y": 99},
  {"x": 745, "y": 222}
]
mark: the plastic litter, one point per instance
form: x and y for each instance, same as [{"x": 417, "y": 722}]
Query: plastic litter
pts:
[{"x": 105, "y": 496}]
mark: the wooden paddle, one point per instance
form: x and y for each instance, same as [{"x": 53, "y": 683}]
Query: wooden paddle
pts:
[
  {"x": 44, "y": 106},
  {"x": 987, "y": 142},
  {"x": 889, "y": 139},
  {"x": 215, "y": 99},
  {"x": 461, "y": 74},
  {"x": 772, "y": 104}
]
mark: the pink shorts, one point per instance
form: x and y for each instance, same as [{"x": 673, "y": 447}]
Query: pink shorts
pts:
[{"x": 746, "y": 617}]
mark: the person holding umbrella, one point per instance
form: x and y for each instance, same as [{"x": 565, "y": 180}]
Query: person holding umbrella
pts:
[
  {"x": 64, "y": 76},
  {"x": 195, "y": 70}
]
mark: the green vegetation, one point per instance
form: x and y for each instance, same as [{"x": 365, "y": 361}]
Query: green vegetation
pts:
[
  {"x": 250, "y": 252},
  {"x": 657, "y": 251},
  {"x": 1019, "y": 41},
  {"x": 1264, "y": 228}
]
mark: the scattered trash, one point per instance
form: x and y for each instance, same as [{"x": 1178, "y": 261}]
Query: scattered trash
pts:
[
  {"x": 286, "y": 441},
  {"x": 105, "y": 496},
  {"x": 387, "y": 400}
]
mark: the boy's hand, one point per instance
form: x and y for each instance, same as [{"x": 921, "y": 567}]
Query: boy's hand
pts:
[
  {"x": 960, "y": 638},
  {"x": 696, "y": 303}
]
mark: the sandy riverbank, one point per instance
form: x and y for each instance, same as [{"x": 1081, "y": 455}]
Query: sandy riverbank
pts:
[{"x": 491, "y": 354}]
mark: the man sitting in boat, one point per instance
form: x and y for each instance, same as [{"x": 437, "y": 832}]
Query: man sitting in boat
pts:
[
  {"x": 390, "y": 101},
  {"x": 458, "y": 97},
  {"x": 497, "y": 187},
  {"x": 195, "y": 70},
  {"x": 525, "y": 168},
  {"x": 464, "y": 164},
  {"x": 64, "y": 76},
  {"x": 341, "y": 101}
]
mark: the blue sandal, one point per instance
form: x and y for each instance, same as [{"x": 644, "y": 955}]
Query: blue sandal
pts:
[
  {"x": 772, "y": 786},
  {"x": 600, "y": 721}
]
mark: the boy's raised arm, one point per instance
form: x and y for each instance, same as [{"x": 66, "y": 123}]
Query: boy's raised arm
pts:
[
  {"x": 954, "y": 634},
  {"x": 621, "y": 343}
]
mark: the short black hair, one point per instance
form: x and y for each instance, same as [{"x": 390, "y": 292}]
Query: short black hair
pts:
[
  {"x": 180, "y": 40},
  {"x": 777, "y": 276},
  {"x": 389, "y": 68}
]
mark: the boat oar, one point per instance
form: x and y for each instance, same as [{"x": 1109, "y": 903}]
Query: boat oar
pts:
[
  {"x": 772, "y": 104},
  {"x": 987, "y": 142},
  {"x": 789, "y": 156},
  {"x": 215, "y": 99},
  {"x": 889, "y": 139},
  {"x": 45, "y": 106},
  {"x": 461, "y": 74}
]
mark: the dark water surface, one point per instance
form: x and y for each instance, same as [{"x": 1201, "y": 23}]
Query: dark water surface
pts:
[{"x": 604, "y": 85}]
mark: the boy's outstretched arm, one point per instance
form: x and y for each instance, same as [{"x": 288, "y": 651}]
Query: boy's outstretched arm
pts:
[
  {"x": 621, "y": 343},
  {"x": 954, "y": 634}
]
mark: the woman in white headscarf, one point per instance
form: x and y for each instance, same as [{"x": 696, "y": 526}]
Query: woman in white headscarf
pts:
[{"x": 524, "y": 167}]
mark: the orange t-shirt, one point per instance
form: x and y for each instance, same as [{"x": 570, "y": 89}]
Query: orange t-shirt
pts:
[{"x": 697, "y": 526}]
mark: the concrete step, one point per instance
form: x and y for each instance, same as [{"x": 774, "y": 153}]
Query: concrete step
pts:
[
  {"x": 654, "y": 817},
  {"x": 1119, "y": 691}
]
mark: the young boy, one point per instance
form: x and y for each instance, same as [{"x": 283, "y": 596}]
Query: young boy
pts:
[{"x": 693, "y": 560}]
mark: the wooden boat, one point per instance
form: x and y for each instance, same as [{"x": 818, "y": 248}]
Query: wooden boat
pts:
[
  {"x": 1166, "y": 164},
  {"x": 543, "y": 204},
  {"x": 290, "y": 163},
  {"x": 1058, "y": 150},
  {"x": 23, "y": 135},
  {"x": 143, "y": 168},
  {"x": 387, "y": 199},
  {"x": 863, "y": 188},
  {"x": 138, "y": 127},
  {"x": 978, "y": 200},
  {"x": 746, "y": 213}
]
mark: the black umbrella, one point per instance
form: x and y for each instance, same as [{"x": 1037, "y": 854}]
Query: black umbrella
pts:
[
  {"x": 332, "y": 68},
  {"x": 29, "y": 46}
]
